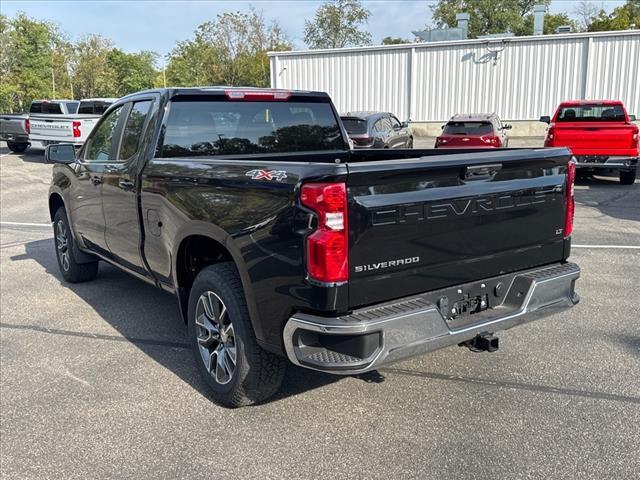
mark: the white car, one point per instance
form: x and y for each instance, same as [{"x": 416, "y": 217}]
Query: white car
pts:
[{"x": 51, "y": 128}]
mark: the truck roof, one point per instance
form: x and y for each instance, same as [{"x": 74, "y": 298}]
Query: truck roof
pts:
[
  {"x": 590, "y": 102},
  {"x": 221, "y": 89},
  {"x": 472, "y": 117}
]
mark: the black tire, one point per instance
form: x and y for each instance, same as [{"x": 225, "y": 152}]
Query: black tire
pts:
[
  {"x": 17, "y": 147},
  {"x": 628, "y": 178},
  {"x": 257, "y": 374},
  {"x": 67, "y": 252},
  {"x": 410, "y": 142}
]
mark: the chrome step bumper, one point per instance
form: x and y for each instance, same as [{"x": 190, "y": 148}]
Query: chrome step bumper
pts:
[{"x": 413, "y": 326}]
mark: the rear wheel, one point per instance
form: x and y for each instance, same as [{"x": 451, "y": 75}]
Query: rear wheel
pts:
[
  {"x": 236, "y": 369},
  {"x": 66, "y": 252},
  {"x": 17, "y": 147},
  {"x": 628, "y": 178}
]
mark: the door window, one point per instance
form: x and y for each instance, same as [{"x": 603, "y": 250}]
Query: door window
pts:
[
  {"x": 395, "y": 123},
  {"x": 101, "y": 144},
  {"x": 133, "y": 129}
]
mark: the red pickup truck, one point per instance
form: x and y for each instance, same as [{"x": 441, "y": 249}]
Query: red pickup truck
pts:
[{"x": 599, "y": 133}]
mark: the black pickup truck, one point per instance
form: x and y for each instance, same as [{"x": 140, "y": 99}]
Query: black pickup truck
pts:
[{"x": 282, "y": 243}]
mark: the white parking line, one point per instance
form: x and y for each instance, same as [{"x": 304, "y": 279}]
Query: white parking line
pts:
[
  {"x": 627, "y": 247},
  {"x": 21, "y": 224}
]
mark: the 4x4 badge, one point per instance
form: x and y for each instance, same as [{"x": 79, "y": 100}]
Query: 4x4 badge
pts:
[{"x": 277, "y": 175}]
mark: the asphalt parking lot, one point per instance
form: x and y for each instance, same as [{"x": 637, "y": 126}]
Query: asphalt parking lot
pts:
[{"x": 96, "y": 379}]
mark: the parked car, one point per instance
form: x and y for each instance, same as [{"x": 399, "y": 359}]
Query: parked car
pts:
[
  {"x": 280, "y": 242},
  {"x": 600, "y": 134},
  {"x": 474, "y": 130},
  {"x": 15, "y": 128},
  {"x": 47, "y": 129},
  {"x": 377, "y": 130}
]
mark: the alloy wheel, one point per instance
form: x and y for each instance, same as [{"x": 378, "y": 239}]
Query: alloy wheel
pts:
[
  {"x": 216, "y": 337},
  {"x": 62, "y": 244}
]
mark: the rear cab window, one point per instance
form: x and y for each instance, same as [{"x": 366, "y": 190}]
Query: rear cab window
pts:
[
  {"x": 93, "y": 107},
  {"x": 209, "y": 127},
  {"x": 591, "y": 113},
  {"x": 468, "y": 128},
  {"x": 46, "y": 107},
  {"x": 72, "y": 107}
]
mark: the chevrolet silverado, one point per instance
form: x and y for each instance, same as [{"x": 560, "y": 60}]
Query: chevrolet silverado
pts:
[
  {"x": 600, "y": 134},
  {"x": 282, "y": 244}
]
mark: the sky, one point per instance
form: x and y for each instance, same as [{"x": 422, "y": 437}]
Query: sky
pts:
[{"x": 158, "y": 25}]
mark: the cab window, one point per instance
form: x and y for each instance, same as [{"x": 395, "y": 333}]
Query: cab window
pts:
[
  {"x": 133, "y": 129},
  {"x": 101, "y": 144}
]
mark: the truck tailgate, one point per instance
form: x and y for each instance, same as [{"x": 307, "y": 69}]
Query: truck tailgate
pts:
[
  {"x": 601, "y": 138},
  {"x": 427, "y": 223},
  {"x": 57, "y": 128}
]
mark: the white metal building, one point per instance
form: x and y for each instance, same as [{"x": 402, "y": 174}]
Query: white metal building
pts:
[{"x": 520, "y": 78}]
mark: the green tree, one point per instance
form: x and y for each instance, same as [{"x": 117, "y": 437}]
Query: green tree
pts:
[
  {"x": 551, "y": 22},
  {"x": 230, "y": 50},
  {"x": 622, "y": 18},
  {"x": 30, "y": 62},
  {"x": 90, "y": 69},
  {"x": 131, "y": 72},
  {"x": 337, "y": 24},
  {"x": 394, "y": 41},
  {"x": 487, "y": 16}
]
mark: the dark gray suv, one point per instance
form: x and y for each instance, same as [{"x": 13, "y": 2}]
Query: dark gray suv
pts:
[{"x": 377, "y": 130}]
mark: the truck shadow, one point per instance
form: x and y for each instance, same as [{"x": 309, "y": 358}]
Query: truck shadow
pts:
[
  {"x": 149, "y": 319},
  {"x": 29, "y": 156},
  {"x": 609, "y": 197}
]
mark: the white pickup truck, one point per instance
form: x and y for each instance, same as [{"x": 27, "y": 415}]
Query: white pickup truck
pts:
[
  {"x": 47, "y": 129},
  {"x": 15, "y": 127}
]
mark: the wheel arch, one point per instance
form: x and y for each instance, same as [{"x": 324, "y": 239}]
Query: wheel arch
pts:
[
  {"x": 199, "y": 245},
  {"x": 55, "y": 202}
]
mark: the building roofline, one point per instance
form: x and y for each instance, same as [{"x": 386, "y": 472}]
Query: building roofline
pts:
[{"x": 475, "y": 41}]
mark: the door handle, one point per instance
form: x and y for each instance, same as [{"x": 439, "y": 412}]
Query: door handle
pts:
[
  {"x": 125, "y": 184},
  {"x": 96, "y": 180}
]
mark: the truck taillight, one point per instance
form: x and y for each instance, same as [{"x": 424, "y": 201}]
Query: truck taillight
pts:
[
  {"x": 27, "y": 126},
  {"x": 76, "y": 129},
  {"x": 634, "y": 138},
  {"x": 548, "y": 141},
  {"x": 571, "y": 203},
  {"x": 327, "y": 247}
]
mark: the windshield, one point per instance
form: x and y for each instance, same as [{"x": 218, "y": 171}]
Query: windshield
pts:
[
  {"x": 355, "y": 126},
  {"x": 591, "y": 113},
  {"x": 468, "y": 128},
  {"x": 197, "y": 128}
]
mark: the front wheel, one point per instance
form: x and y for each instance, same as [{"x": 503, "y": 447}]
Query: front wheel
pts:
[
  {"x": 66, "y": 252},
  {"x": 628, "y": 178},
  {"x": 236, "y": 369},
  {"x": 410, "y": 142},
  {"x": 17, "y": 147}
]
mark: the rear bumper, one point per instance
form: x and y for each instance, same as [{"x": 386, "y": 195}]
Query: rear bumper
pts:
[
  {"x": 375, "y": 336},
  {"x": 603, "y": 161},
  {"x": 14, "y": 137}
]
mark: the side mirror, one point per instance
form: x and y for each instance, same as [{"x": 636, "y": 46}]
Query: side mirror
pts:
[
  {"x": 545, "y": 119},
  {"x": 632, "y": 118},
  {"x": 404, "y": 124},
  {"x": 60, "y": 153},
  {"x": 442, "y": 127},
  {"x": 507, "y": 126}
]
